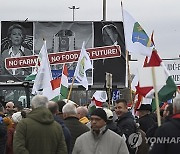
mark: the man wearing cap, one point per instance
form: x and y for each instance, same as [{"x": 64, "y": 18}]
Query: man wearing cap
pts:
[
  {"x": 146, "y": 121},
  {"x": 99, "y": 139}
]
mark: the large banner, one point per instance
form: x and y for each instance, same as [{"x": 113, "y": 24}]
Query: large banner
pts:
[
  {"x": 16, "y": 41},
  {"x": 104, "y": 41}
]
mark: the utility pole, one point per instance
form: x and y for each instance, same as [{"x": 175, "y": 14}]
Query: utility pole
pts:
[
  {"x": 104, "y": 10},
  {"x": 73, "y": 8}
]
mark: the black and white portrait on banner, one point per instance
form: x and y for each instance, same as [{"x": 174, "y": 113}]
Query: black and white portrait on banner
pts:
[
  {"x": 108, "y": 34},
  {"x": 16, "y": 41}
]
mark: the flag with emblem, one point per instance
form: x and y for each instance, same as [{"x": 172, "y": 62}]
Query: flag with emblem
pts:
[
  {"x": 84, "y": 63},
  {"x": 137, "y": 40}
]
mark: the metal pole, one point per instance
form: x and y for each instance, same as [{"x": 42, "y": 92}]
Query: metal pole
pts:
[
  {"x": 104, "y": 10},
  {"x": 73, "y": 8}
]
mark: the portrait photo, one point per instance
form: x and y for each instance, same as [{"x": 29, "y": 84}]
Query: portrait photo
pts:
[
  {"x": 16, "y": 41},
  {"x": 109, "y": 34}
]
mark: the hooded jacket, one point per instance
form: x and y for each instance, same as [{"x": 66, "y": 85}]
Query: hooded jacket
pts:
[{"x": 39, "y": 133}]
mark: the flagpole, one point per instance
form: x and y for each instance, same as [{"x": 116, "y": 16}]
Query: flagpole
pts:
[
  {"x": 127, "y": 61},
  {"x": 69, "y": 94},
  {"x": 156, "y": 97}
]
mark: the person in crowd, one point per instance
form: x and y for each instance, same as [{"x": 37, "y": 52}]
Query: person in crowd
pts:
[
  {"x": 82, "y": 113},
  {"x": 18, "y": 106},
  {"x": 60, "y": 103},
  {"x": 72, "y": 122},
  {"x": 100, "y": 139},
  {"x": 3, "y": 131},
  {"x": 168, "y": 112},
  {"x": 25, "y": 112},
  {"x": 110, "y": 123},
  {"x": 169, "y": 132},
  {"x": 53, "y": 107},
  {"x": 9, "y": 108},
  {"x": 145, "y": 119},
  {"x": 16, "y": 117},
  {"x": 125, "y": 121},
  {"x": 38, "y": 132},
  {"x": 16, "y": 35}
]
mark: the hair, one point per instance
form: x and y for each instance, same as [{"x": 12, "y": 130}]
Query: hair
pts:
[
  {"x": 176, "y": 103},
  {"x": 53, "y": 107},
  {"x": 170, "y": 109},
  {"x": 16, "y": 26},
  {"x": 69, "y": 108},
  {"x": 39, "y": 101},
  {"x": 111, "y": 27},
  {"x": 122, "y": 100},
  {"x": 60, "y": 105},
  {"x": 83, "y": 110}
]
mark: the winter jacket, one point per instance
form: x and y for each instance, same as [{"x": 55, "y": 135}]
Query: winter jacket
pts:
[
  {"x": 3, "y": 136},
  {"x": 39, "y": 134},
  {"x": 66, "y": 132},
  {"x": 127, "y": 125},
  {"x": 76, "y": 128},
  {"x": 170, "y": 132},
  {"x": 106, "y": 143},
  {"x": 9, "y": 145},
  {"x": 146, "y": 122}
]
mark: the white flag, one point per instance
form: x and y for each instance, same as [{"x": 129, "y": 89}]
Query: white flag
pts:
[
  {"x": 42, "y": 84},
  {"x": 137, "y": 41},
  {"x": 84, "y": 63}
]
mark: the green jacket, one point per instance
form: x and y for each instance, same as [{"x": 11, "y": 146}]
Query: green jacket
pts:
[{"x": 39, "y": 134}]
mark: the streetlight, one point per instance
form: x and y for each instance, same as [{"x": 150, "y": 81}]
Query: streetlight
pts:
[{"x": 74, "y": 8}]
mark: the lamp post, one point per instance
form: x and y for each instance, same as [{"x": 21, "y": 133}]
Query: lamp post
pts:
[{"x": 73, "y": 8}]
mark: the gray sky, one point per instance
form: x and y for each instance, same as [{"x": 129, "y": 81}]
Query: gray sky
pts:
[{"x": 162, "y": 16}]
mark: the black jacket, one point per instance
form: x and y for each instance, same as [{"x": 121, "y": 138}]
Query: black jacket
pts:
[
  {"x": 127, "y": 125},
  {"x": 67, "y": 134},
  {"x": 76, "y": 128},
  {"x": 170, "y": 131},
  {"x": 146, "y": 122}
]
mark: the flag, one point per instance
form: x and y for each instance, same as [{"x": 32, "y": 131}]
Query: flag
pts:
[
  {"x": 84, "y": 63},
  {"x": 137, "y": 41},
  {"x": 99, "y": 97},
  {"x": 62, "y": 84},
  {"x": 43, "y": 81},
  {"x": 165, "y": 92}
]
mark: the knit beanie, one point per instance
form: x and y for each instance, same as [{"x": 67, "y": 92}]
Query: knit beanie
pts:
[{"x": 100, "y": 113}]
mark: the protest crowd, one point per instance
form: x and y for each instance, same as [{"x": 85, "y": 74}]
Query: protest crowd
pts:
[
  {"x": 54, "y": 123},
  {"x": 64, "y": 126}
]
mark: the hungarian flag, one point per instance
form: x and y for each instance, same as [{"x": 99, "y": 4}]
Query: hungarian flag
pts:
[
  {"x": 61, "y": 84},
  {"x": 165, "y": 92},
  {"x": 137, "y": 41}
]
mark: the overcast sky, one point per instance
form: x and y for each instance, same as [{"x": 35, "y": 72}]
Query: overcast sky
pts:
[{"x": 162, "y": 16}]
